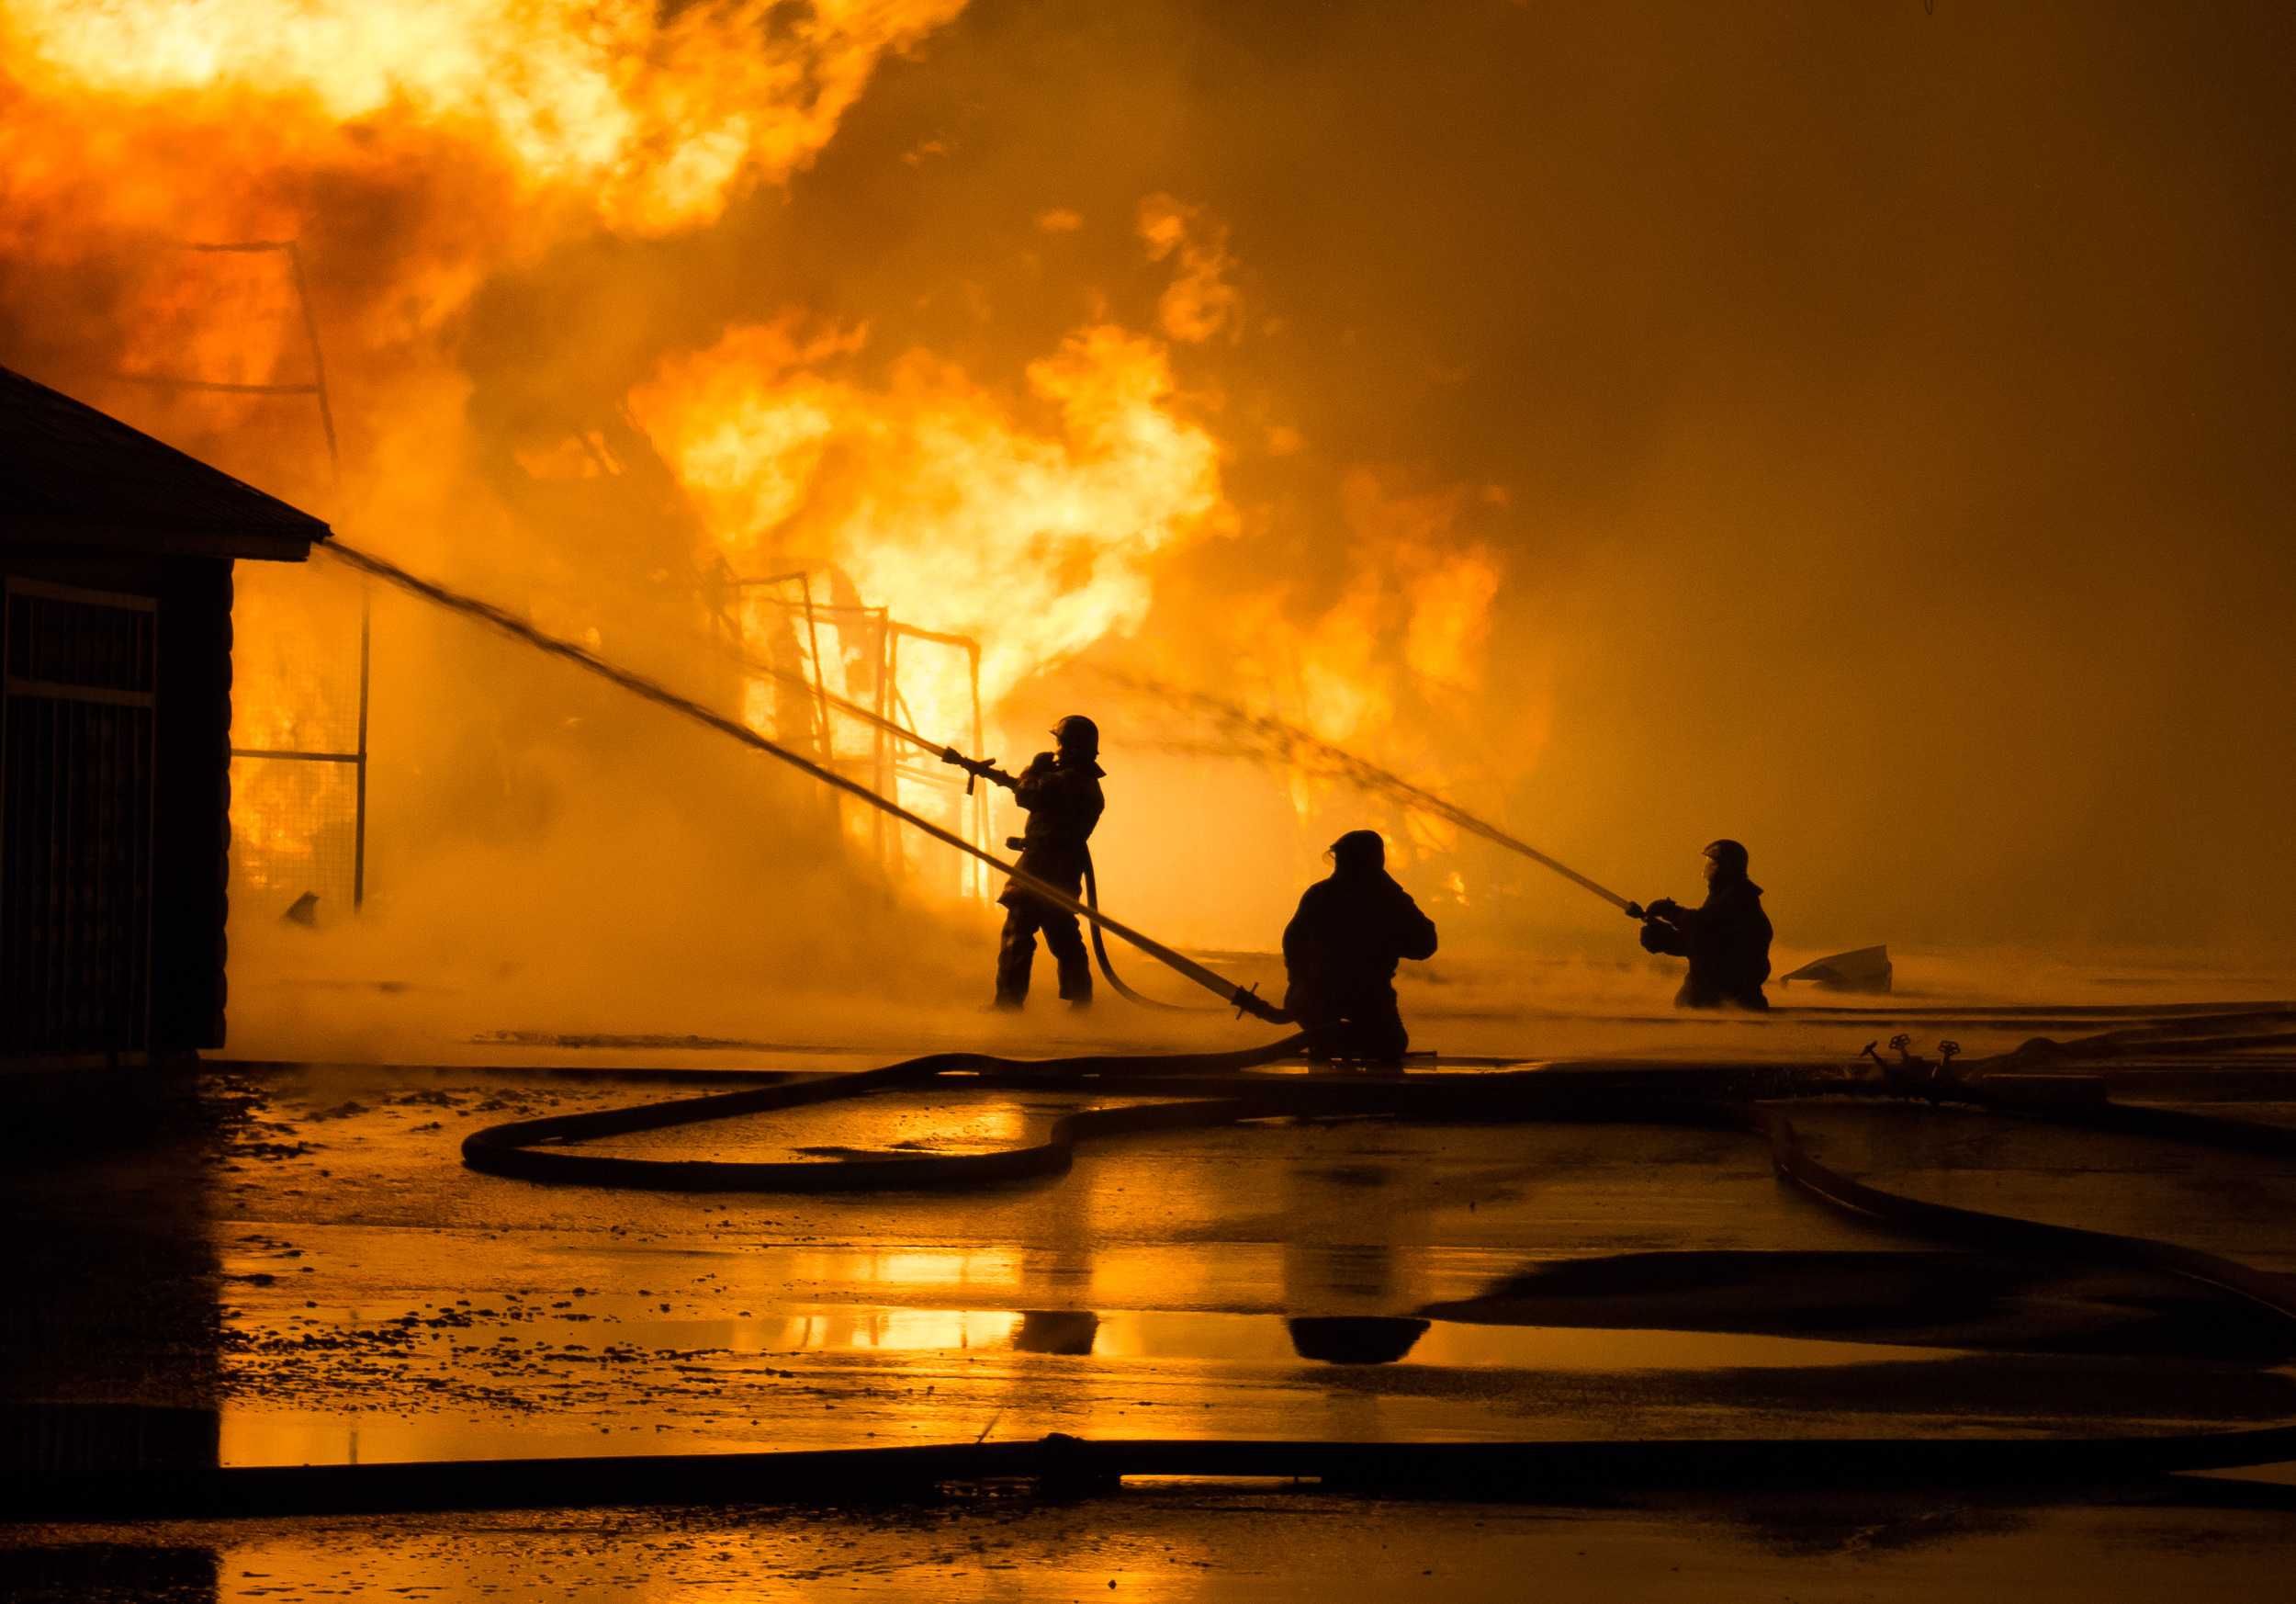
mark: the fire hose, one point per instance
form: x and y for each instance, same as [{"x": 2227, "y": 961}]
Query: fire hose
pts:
[
  {"x": 1244, "y": 1000},
  {"x": 533, "y": 1150},
  {"x": 1065, "y": 1465},
  {"x": 1100, "y": 952},
  {"x": 529, "y": 1149}
]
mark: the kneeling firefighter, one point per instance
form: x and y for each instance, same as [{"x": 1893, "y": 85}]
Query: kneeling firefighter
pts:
[
  {"x": 1060, "y": 790},
  {"x": 1341, "y": 950},
  {"x": 1726, "y": 938}
]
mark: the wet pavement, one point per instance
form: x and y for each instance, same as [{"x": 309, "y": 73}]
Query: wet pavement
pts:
[
  {"x": 300, "y": 1255},
  {"x": 1193, "y": 1543}
]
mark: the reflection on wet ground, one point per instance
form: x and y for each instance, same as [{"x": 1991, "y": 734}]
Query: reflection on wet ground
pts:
[
  {"x": 853, "y": 1375},
  {"x": 1325, "y": 1277},
  {"x": 308, "y": 1262}
]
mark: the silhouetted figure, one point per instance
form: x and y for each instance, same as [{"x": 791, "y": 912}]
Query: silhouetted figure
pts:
[
  {"x": 1061, "y": 792},
  {"x": 1341, "y": 949},
  {"x": 1354, "y": 1339},
  {"x": 1069, "y": 1332},
  {"x": 1726, "y": 938}
]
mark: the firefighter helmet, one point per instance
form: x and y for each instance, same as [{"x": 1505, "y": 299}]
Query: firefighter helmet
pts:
[{"x": 1078, "y": 734}]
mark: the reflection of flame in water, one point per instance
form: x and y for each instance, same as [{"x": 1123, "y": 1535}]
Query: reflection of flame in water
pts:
[{"x": 921, "y": 1267}]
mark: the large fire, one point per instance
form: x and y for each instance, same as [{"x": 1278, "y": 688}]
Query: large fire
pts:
[
  {"x": 937, "y": 501},
  {"x": 421, "y": 148},
  {"x": 653, "y": 115}
]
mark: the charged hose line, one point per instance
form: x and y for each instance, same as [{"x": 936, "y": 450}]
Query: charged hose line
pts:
[
  {"x": 1100, "y": 953},
  {"x": 899, "y": 731},
  {"x": 1065, "y": 1465},
  {"x": 582, "y": 657},
  {"x": 526, "y": 1149},
  {"x": 517, "y": 1149}
]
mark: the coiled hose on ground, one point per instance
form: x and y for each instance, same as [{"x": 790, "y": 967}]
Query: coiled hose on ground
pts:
[
  {"x": 1748, "y": 1099},
  {"x": 523, "y": 1149}
]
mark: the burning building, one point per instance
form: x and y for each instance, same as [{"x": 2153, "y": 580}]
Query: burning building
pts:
[{"x": 116, "y": 553}]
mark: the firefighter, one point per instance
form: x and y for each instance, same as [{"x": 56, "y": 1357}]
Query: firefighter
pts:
[
  {"x": 1341, "y": 950},
  {"x": 1726, "y": 938},
  {"x": 1060, "y": 791}
]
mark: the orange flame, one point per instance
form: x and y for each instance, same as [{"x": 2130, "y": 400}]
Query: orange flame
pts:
[
  {"x": 427, "y": 143},
  {"x": 933, "y": 495},
  {"x": 654, "y": 116}
]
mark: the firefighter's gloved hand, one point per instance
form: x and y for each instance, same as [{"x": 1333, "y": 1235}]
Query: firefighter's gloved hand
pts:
[
  {"x": 1664, "y": 907},
  {"x": 1653, "y": 939}
]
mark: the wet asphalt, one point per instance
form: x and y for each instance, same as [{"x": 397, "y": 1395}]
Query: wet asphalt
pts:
[{"x": 300, "y": 1252}]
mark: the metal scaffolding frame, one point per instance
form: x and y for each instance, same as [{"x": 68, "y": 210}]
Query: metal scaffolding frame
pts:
[
  {"x": 884, "y": 766},
  {"x": 317, "y": 390}
]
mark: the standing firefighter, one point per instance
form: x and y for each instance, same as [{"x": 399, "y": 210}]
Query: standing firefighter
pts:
[
  {"x": 1727, "y": 939},
  {"x": 1341, "y": 949},
  {"x": 1060, "y": 790}
]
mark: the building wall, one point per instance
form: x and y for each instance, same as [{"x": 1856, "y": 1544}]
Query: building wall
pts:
[{"x": 190, "y": 823}]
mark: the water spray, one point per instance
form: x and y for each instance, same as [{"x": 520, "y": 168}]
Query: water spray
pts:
[
  {"x": 1265, "y": 734},
  {"x": 1243, "y": 1000},
  {"x": 1289, "y": 741}
]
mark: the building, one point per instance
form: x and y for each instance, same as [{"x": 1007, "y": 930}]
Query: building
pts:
[{"x": 115, "y": 556}]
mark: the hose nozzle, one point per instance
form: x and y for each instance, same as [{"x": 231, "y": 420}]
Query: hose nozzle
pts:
[
  {"x": 971, "y": 767},
  {"x": 1247, "y": 1000}
]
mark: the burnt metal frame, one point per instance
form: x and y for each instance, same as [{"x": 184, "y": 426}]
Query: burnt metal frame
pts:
[
  {"x": 356, "y": 758},
  {"x": 317, "y": 390},
  {"x": 884, "y": 763}
]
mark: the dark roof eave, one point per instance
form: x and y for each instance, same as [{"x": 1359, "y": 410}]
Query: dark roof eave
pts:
[{"x": 164, "y": 540}]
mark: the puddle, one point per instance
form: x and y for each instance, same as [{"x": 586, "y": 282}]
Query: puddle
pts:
[
  {"x": 805, "y": 1359},
  {"x": 1212, "y": 1337}
]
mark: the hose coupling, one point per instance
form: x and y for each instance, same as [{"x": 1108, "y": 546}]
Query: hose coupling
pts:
[{"x": 1247, "y": 1000}]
